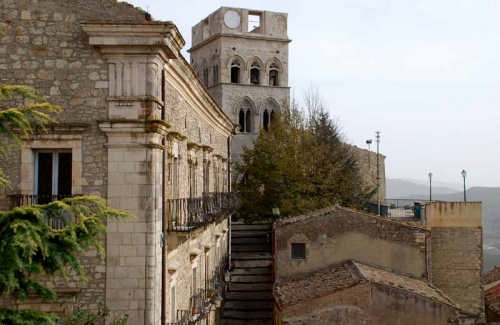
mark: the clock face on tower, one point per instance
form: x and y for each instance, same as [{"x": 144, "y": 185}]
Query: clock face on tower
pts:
[{"x": 232, "y": 19}]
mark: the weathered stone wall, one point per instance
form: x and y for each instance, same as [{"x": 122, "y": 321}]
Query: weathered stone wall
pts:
[
  {"x": 337, "y": 234},
  {"x": 367, "y": 163},
  {"x": 118, "y": 121},
  {"x": 42, "y": 46},
  {"x": 455, "y": 249}
]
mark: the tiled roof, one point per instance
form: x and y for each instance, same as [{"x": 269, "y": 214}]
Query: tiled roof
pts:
[
  {"x": 491, "y": 276},
  {"x": 419, "y": 287},
  {"x": 347, "y": 274},
  {"x": 318, "y": 284}
]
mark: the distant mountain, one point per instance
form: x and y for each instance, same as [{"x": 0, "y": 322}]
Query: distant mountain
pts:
[
  {"x": 402, "y": 189},
  {"x": 489, "y": 196}
]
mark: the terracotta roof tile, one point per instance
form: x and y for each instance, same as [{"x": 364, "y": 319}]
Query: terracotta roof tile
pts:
[
  {"x": 318, "y": 284},
  {"x": 388, "y": 278},
  {"x": 341, "y": 276}
]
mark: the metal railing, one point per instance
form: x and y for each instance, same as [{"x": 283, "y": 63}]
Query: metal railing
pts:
[
  {"x": 400, "y": 208},
  {"x": 187, "y": 214},
  {"x": 17, "y": 200}
]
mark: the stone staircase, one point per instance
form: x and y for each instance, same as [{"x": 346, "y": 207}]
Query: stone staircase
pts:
[{"x": 249, "y": 296}]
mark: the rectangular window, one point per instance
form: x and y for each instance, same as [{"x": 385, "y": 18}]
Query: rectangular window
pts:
[
  {"x": 298, "y": 251},
  {"x": 53, "y": 173}
]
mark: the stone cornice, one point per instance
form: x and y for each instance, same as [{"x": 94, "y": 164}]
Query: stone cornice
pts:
[
  {"x": 124, "y": 37},
  {"x": 176, "y": 135},
  {"x": 244, "y": 36}
]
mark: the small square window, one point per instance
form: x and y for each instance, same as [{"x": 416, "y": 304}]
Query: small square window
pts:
[{"x": 298, "y": 251}]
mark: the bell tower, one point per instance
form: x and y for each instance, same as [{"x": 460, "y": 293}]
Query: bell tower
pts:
[{"x": 241, "y": 56}]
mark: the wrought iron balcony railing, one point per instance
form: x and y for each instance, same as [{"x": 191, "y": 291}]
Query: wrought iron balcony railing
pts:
[
  {"x": 187, "y": 214},
  {"x": 17, "y": 200}
]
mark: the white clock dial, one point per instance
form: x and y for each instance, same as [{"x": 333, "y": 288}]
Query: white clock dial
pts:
[{"x": 232, "y": 19}]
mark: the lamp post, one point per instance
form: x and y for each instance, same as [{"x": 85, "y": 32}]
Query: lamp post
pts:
[
  {"x": 378, "y": 173},
  {"x": 369, "y": 142},
  {"x": 464, "y": 174},
  {"x": 430, "y": 186}
]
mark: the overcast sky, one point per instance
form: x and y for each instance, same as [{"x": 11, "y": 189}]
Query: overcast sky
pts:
[{"x": 426, "y": 73}]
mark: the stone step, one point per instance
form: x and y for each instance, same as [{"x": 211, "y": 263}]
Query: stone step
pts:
[
  {"x": 258, "y": 286},
  {"x": 251, "y": 271},
  {"x": 250, "y": 234},
  {"x": 251, "y": 247},
  {"x": 251, "y": 263},
  {"x": 230, "y": 321},
  {"x": 251, "y": 278},
  {"x": 251, "y": 256},
  {"x": 249, "y": 295},
  {"x": 247, "y": 315},
  {"x": 249, "y": 305},
  {"x": 252, "y": 226},
  {"x": 250, "y": 240}
]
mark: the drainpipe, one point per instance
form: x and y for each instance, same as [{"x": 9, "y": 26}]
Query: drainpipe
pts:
[
  {"x": 163, "y": 239},
  {"x": 228, "y": 241},
  {"x": 163, "y": 215}
]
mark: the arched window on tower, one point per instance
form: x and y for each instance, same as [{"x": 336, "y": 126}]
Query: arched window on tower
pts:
[
  {"x": 242, "y": 120},
  {"x": 274, "y": 75},
  {"x": 245, "y": 119},
  {"x": 266, "y": 120},
  {"x": 255, "y": 73},
  {"x": 248, "y": 121},
  {"x": 235, "y": 71}
]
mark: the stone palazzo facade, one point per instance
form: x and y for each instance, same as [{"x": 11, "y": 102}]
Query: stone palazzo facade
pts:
[{"x": 139, "y": 129}]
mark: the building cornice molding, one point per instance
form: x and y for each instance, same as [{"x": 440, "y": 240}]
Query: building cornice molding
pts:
[
  {"x": 133, "y": 38},
  {"x": 249, "y": 36}
]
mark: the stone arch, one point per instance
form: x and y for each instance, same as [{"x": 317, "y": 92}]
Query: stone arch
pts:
[
  {"x": 245, "y": 115},
  {"x": 270, "y": 111},
  {"x": 236, "y": 65},
  {"x": 256, "y": 68},
  {"x": 274, "y": 70}
]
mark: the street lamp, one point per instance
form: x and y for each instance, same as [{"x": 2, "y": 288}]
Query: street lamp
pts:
[
  {"x": 430, "y": 186},
  {"x": 378, "y": 173},
  {"x": 369, "y": 142},
  {"x": 464, "y": 174}
]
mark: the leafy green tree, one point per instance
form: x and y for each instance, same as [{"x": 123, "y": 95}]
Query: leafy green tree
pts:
[
  {"x": 270, "y": 172},
  {"x": 299, "y": 164},
  {"x": 29, "y": 247}
]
